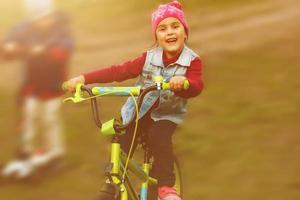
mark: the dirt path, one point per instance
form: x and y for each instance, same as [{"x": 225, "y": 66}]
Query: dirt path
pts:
[
  {"x": 253, "y": 30},
  {"x": 232, "y": 29}
]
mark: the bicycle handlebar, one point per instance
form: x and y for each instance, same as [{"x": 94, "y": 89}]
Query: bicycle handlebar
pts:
[{"x": 116, "y": 91}]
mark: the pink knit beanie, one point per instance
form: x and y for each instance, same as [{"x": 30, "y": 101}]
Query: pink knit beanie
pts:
[{"x": 172, "y": 9}]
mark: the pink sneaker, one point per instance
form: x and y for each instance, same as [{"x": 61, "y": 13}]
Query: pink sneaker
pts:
[{"x": 168, "y": 193}]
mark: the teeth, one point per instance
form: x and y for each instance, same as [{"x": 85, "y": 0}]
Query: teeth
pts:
[{"x": 171, "y": 40}]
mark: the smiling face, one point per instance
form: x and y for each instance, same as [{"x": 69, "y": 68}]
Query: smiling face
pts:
[{"x": 171, "y": 36}]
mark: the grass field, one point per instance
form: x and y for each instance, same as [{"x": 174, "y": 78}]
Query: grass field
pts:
[{"x": 241, "y": 137}]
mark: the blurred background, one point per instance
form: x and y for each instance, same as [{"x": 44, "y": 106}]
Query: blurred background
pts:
[{"x": 241, "y": 137}]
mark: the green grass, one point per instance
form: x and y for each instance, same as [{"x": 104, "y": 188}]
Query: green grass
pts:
[{"x": 240, "y": 140}]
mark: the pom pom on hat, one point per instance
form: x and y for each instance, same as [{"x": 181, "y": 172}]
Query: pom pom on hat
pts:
[{"x": 176, "y": 4}]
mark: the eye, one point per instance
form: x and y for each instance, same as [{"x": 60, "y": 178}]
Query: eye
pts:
[
  {"x": 175, "y": 26},
  {"x": 161, "y": 29}
]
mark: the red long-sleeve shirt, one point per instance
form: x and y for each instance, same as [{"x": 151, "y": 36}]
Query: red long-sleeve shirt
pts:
[{"x": 134, "y": 68}]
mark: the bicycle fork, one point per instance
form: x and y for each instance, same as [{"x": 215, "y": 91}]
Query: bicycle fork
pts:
[{"x": 115, "y": 170}]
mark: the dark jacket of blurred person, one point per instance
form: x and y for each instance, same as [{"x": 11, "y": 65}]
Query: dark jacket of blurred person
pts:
[{"x": 45, "y": 46}]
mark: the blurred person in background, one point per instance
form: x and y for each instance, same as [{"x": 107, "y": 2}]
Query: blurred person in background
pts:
[{"x": 44, "y": 45}]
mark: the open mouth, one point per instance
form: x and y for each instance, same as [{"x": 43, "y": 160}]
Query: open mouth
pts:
[{"x": 171, "y": 40}]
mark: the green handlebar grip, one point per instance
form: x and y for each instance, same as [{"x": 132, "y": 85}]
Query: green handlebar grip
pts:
[{"x": 186, "y": 85}]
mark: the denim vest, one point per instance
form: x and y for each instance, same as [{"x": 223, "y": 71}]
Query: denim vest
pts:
[{"x": 171, "y": 107}]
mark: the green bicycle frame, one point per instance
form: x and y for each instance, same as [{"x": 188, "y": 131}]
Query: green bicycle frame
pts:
[
  {"x": 117, "y": 160},
  {"x": 117, "y": 157}
]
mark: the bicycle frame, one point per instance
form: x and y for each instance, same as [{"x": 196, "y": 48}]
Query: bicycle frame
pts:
[
  {"x": 126, "y": 190},
  {"x": 119, "y": 162}
]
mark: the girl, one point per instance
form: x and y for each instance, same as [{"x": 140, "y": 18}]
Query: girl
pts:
[{"x": 173, "y": 60}]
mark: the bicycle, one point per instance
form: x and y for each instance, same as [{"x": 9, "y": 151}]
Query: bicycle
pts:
[{"x": 119, "y": 184}]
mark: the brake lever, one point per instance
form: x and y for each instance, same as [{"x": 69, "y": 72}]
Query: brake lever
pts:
[{"x": 78, "y": 95}]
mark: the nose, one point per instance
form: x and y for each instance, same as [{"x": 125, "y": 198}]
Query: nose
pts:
[{"x": 169, "y": 31}]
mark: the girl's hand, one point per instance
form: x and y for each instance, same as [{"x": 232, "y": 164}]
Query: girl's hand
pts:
[
  {"x": 176, "y": 83},
  {"x": 70, "y": 85}
]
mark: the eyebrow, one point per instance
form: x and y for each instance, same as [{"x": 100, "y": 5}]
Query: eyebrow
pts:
[
  {"x": 175, "y": 23},
  {"x": 164, "y": 25}
]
